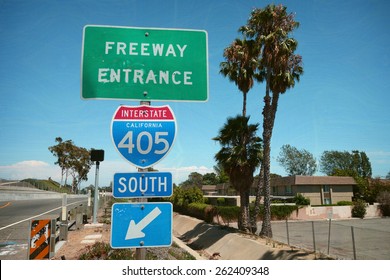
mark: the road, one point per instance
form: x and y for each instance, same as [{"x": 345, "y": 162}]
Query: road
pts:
[{"x": 15, "y": 217}]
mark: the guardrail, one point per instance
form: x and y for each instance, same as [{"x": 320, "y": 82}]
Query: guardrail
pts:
[
  {"x": 17, "y": 238},
  {"x": 45, "y": 234}
]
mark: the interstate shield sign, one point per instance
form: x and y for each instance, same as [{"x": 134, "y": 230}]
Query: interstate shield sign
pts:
[{"x": 143, "y": 135}]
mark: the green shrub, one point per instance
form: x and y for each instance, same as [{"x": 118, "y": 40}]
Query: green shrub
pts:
[
  {"x": 221, "y": 201},
  {"x": 299, "y": 199},
  {"x": 282, "y": 212},
  {"x": 228, "y": 213},
  {"x": 278, "y": 212},
  {"x": 359, "y": 209},
  {"x": 384, "y": 203},
  {"x": 183, "y": 197},
  {"x": 344, "y": 203},
  {"x": 201, "y": 211}
]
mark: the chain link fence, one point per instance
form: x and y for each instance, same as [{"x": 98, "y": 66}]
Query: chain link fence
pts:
[{"x": 354, "y": 239}]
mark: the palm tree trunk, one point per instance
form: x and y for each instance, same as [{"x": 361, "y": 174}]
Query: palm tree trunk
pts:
[
  {"x": 244, "y": 221},
  {"x": 244, "y": 104},
  {"x": 244, "y": 211},
  {"x": 259, "y": 193},
  {"x": 269, "y": 112},
  {"x": 266, "y": 226}
]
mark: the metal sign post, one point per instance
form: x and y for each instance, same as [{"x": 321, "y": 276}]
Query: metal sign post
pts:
[
  {"x": 140, "y": 253},
  {"x": 97, "y": 156},
  {"x": 96, "y": 199}
]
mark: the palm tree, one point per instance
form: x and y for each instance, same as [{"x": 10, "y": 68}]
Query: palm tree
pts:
[
  {"x": 239, "y": 157},
  {"x": 241, "y": 65},
  {"x": 279, "y": 67}
]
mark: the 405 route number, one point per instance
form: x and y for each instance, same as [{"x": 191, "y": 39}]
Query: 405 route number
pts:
[{"x": 143, "y": 135}]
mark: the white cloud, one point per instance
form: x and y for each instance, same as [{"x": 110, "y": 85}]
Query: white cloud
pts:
[
  {"x": 108, "y": 168},
  {"x": 378, "y": 154},
  {"x": 180, "y": 174},
  {"x": 380, "y": 161},
  {"x": 30, "y": 169},
  {"x": 379, "y": 157},
  {"x": 186, "y": 169},
  {"x": 30, "y": 163},
  {"x": 43, "y": 170}
]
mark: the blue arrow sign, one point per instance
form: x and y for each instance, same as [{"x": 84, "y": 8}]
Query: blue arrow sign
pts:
[
  {"x": 136, "y": 225},
  {"x": 142, "y": 184},
  {"x": 143, "y": 135}
]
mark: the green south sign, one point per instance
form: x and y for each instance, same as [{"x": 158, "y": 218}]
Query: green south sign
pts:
[{"x": 144, "y": 64}]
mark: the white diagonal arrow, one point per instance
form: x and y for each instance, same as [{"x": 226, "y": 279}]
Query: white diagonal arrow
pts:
[{"x": 135, "y": 230}]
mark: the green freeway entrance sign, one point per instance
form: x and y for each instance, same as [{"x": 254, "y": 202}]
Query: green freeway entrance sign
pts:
[{"x": 144, "y": 64}]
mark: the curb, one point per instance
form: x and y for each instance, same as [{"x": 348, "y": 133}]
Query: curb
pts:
[{"x": 182, "y": 245}]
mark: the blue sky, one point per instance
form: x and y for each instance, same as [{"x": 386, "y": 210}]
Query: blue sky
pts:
[{"x": 341, "y": 103}]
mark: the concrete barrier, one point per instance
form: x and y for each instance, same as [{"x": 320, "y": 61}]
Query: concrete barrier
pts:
[
  {"x": 229, "y": 244},
  {"x": 333, "y": 212},
  {"x": 11, "y": 193}
]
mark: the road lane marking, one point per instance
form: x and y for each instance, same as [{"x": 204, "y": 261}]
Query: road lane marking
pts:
[{"x": 31, "y": 218}]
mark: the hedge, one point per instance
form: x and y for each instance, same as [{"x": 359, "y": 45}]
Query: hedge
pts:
[
  {"x": 229, "y": 214},
  {"x": 201, "y": 211},
  {"x": 191, "y": 202}
]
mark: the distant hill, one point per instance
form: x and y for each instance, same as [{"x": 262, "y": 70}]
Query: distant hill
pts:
[{"x": 48, "y": 185}]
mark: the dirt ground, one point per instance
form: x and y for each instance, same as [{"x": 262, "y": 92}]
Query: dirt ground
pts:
[{"x": 79, "y": 240}]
